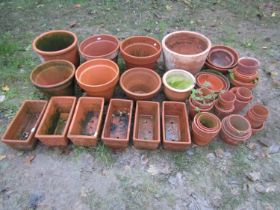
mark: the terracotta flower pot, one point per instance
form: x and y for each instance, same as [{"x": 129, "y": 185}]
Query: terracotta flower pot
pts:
[
  {"x": 221, "y": 112},
  {"x": 98, "y": 77},
  {"x": 237, "y": 83},
  {"x": 57, "y": 44},
  {"x": 194, "y": 109},
  {"x": 257, "y": 115},
  {"x": 100, "y": 46},
  {"x": 140, "y": 83},
  {"x": 175, "y": 125},
  {"x": 221, "y": 58},
  {"x": 226, "y": 100},
  {"x": 53, "y": 128},
  {"x": 146, "y": 133},
  {"x": 54, "y": 78},
  {"x": 244, "y": 94},
  {"x": 180, "y": 93},
  {"x": 20, "y": 133},
  {"x": 140, "y": 51},
  {"x": 186, "y": 50},
  {"x": 117, "y": 124},
  {"x": 246, "y": 78},
  {"x": 85, "y": 126},
  {"x": 203, "y": 98},
  {"x": 248, "y": 65}
]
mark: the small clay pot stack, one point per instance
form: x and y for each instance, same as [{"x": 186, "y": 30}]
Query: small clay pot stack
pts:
[
  {"x": 257, "y": 115},
  {"x": 243, "y": 97},
  {"x": 224, "y": 105}
]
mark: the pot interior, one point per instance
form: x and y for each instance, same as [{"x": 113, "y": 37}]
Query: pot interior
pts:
[
  {"x": 140, "y": 50},
  {"x": 100, "y": 47},
  {"x": 239, "y": 123},
  {"x": 211, "y": 82},
  {"x": 249, "y": 62},
  {"x": 221, "y": 58},
  {"x": 207, "y": 122},
  {"x": 180, "y": 81}
]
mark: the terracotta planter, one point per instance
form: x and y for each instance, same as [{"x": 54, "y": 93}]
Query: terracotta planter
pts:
[
  {"x": 57, "y": 44},
  {"x": 117, "y": 124},
  {"x": 140, "y": 83},
  {"x": 203, "y": 98},
  {"x": 248, "y": 65},
  {"x": 146, "y": 133},
  {"x": 186, "y": 50},
  {"x": 237, "y": 83},
  {"x": 194, "y": 109},
  {"x": 221, "y": 112},
  {"x": 140, "y": 51},
  {"x": 54, "y": 78},
  {"x": 238, "y": 104},
  {"x": 176, "y": 94},
  {"x": 175, "y": 125},
  {"x": 86, "y": 123},
  {"x": 221, "y": 58},
  {"x": 257, "y": 115},
  {"x": 100, "y": 46},
  {"x": 53, "y": 128},
  {"x": 226, "y": 100},
  {"x": 20, "y": 133},
  {"x": 98, "y": 77},
  {"x": 244, "y": 94},
  {"x": 246, "y": 78}
]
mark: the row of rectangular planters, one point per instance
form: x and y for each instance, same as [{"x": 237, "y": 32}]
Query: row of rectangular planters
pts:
[{"x": 56, "y": 122}]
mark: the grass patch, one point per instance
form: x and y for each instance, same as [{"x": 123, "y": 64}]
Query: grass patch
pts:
[{"x": 104, "y": 154}]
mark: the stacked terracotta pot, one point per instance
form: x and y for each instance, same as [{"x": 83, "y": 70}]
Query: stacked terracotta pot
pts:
[
  {"x": 224, "y": 105},
  {"x": 243, "y": 97}
]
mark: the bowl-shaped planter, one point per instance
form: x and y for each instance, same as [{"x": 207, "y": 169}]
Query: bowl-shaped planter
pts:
[
  {"x": 100, "y": 46},
  {"x": 98, "y": 77},
  {"x": 178, "y": 84},
  {"x": 226, "y": 100},
  {"x": 85, "y": 126},
  {"x": 140, "y": 51},
  {"x": 57, "y": 44},
  {"x": 244, "y": 94},
  {"x": 257, "y": 115},
  {"x": 236, "y": 83},
  {"x": 203, "y": 97},
  {"x": 186, "y": 50},
  {"x": 146, "y": 132},
  {"x": 175, "y": 126},
  {"x": 239, "y": 105},
  {"x": 196, "y": 108},
  {"x": 248, "y": 65},
  {"x": 140, "y": 83},
  {"x": 20, "y": 133},
  {"x": 54, "y": 78},
  {"x": 221, "y": 112},
  {"x": 53, "y": 128},
  {"x": 117, "y": 124},
  {"x": 247, "y": 78}
]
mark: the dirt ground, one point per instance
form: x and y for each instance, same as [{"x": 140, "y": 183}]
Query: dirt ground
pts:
[{"x": 217, "y": 176}]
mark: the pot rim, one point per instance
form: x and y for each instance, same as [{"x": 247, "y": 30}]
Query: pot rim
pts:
[
  {"x": 209, "y": 44},
  {"x": 181, "y": 71},
  {"x": 58, "y": 52},
  {"x": 57, "y": 84},
  {"x": 233, "y": 60},
  {"x": 249, "y": 58}
]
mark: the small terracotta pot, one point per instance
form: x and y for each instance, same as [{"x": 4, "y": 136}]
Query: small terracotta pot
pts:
[
  {"x": 194, "y": 109},
  {"x": 54, "y": 78},
  {"x": 244, "y": 94},
  {"x": 221, "y": 58},
  {"x": 237, "y": 83},
  {"x": 57, "y": 44},
  {"x": 255, "y": 122},
  {"x": 100, "y": 46},
  {"x": 146, "y": 132},
  {"x": 53, "y": 128},
  {"x": 20, "y": 133},
  {"x": 140, "y": 83},
  {"x": 246, "y": 78},
  {"x": 174, "y": 94},
  {"x": 248, "y": 65},
  {"x": 221, "y": 112},
  {"x": 175, "y": 125},
  {"x": 226, "y": 100},
  {"x": 116, "y": 129},
  {"x": 186, "y": 50},
  {"x": 210, "y": 81},
  {"x": 85, "y": 126},
  {"x": 207, "y": 102},
  {"x": 140, "y": 51},
  {"x": 257, "y": 115},
  {"x": 257, "y": 130},
  {"x": 98, "y": 77}
]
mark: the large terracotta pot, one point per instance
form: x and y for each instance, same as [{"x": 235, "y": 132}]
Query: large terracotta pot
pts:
[
  {"x": 186, "y": 50},
  {"x": 57, "y": 45}
]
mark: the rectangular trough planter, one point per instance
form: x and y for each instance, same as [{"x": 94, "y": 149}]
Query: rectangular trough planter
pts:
[
  {"x": 175, "y": 125},
  {"x": 117, "y": 124},
  {"x": 20, "y": 133},
  {"x": 53, "y": 128},
  {"x": 86, "y": 123},
  {"x": 146, "y": 133}
]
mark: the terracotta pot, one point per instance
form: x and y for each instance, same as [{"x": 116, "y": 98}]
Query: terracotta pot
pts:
[
  {"x": 54, "y": 78},
  {"x": 221, "y": 112},
  {"x": 140, "y": 83},
  {"x": 175, "y": 125},
  {"x": 237, "y": 83},
  {"x": 98, "y": 77},
  {"x": 208, "y": 98},
  {"x": 140, "y": 51},
  {"x": 53, "y": 128},
  {"x": 221, "y": 58},
  {"x": 20, "y": 133},
  {"x": 247, "y": 78},
  {"x": 248, "y": 65},
  {"x": 238, "y": 104},
  {"x": 57, "y": 44},
  {"x": 100, "y": 46},
  {"x": 194, "y": 109},
  {"x": 117, "y": 124},
  {"x": 174, "y": 94},
  {"x": 257, "y": 130},
  {"x": 257, "y": 115},
  {"x": 85, "y": 126},
  {"x": 244, "y": 94},
  {"x": 186, "y": 50},
  {"x": 226, "y": 100},
  {"x": 146, "y": 133},
  {"x": 255, "y": 122}
]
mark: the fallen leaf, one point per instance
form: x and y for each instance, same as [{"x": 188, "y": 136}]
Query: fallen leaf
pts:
[
  {"x": 168, "y": 7},
  {"x": 30, "y": 158},
  {"x": 219, "y": 153},
  {"x": 254, "y": 176},
  {"x": 77, "y": 5},
  {"x": 273, "y": 14},
  {"x": 2, "y": 157},
  {"x": 5, "y": 88}
]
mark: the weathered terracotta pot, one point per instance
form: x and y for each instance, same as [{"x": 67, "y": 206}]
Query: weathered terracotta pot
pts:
[
  {"x": 100, "y": 46},
  {"x": 194, "y": 109},
  {"x": 53, "y": 128},
  {"x": 246, "y": 78},
  {"x": 221, "y": 58},
  {"x": 186, "y": 50},
  {"x": 117, "y": 124},
  {"x": 236, "y": 83},
  {"x": 221, "y": 112},
  {"x": 226, "y": 100},
  {"x": 140, "y": 51},
  {"x": 146, "y": 133},
  {"x": 248, "y": 65},
  {"x": 175, "y": 125},
  {"x": 57, "y": 44},
  {"x": 85, "y": 126},
  {"x": 237, "y": 126},
  {"x": 54, "y": 78},
  {"x": 174, "y": 94},
  {"x": 98, "y": 77},
  {"x": 257, "y": 115},
  {"x": 140, "y": 83},
  {"x": 203, "y": 98},
  {"x": 239, "y": 105},
  {"x": 20, "y": 133},
  {"x": 244, "y": 94}
]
